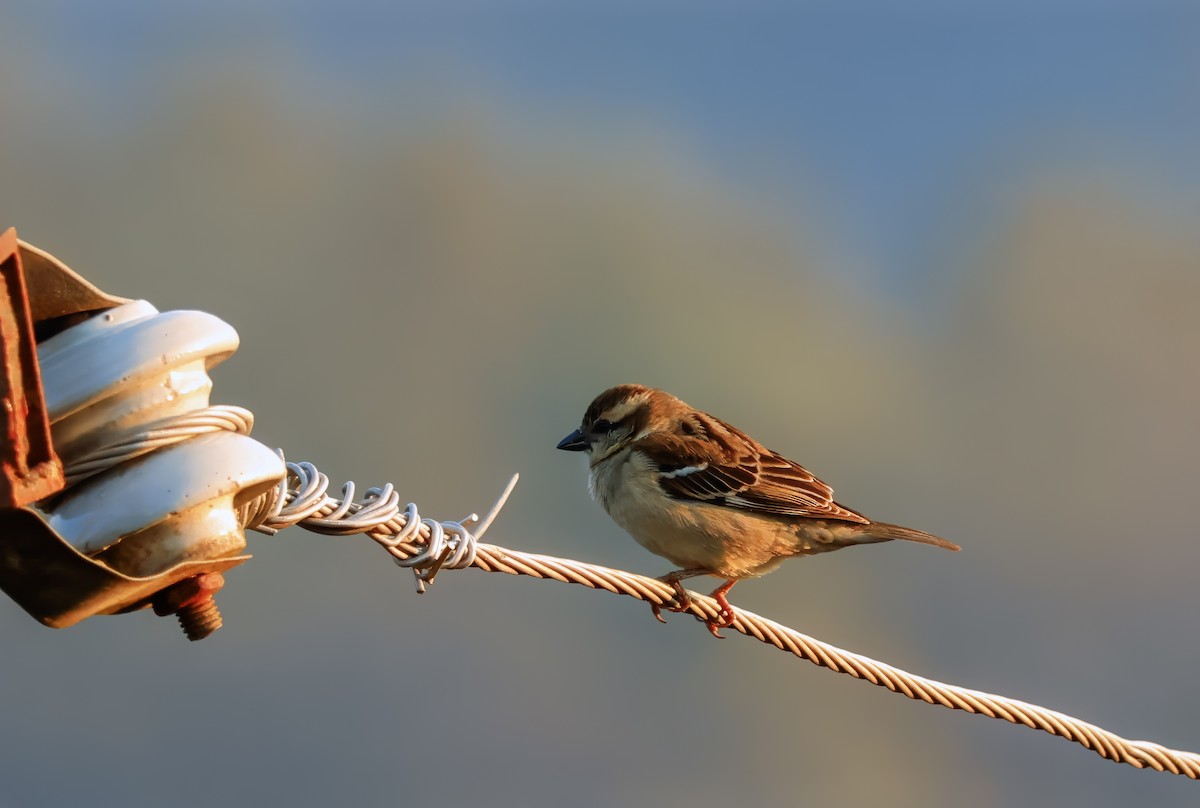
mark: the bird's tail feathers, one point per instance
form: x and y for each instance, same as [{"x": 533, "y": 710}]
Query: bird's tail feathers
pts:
[{"x": 885, "y": 531}]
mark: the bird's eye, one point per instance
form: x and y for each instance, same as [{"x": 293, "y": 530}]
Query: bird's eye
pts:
[{"x": 602, "y": 426}]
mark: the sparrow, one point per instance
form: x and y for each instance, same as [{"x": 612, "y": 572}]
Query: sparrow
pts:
[{"x": 708, "y": 497}]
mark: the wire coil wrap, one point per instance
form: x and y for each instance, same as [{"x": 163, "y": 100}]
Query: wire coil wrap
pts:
[
  {"x": 425, "y": 546},
  {"x": 159, "y": 435}
]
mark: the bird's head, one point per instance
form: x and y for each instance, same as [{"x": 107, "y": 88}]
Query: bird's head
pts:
[{"x": 619, "y": 416}]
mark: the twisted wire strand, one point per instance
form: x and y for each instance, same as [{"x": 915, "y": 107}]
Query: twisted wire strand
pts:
[
  {"x": 1140, "y": 754},
  {"x": 427, "y": 546}
]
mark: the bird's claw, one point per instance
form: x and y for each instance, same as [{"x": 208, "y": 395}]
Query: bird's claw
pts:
[
  {"x": 725, "y": 617},
  {"x": 654, "y": 607},
  {"x": 682, "y": 602}
]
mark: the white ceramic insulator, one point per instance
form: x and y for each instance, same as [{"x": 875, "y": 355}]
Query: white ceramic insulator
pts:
[{"x": 113, "y": 375}]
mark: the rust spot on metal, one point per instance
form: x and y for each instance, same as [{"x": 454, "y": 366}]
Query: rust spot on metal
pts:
[{"x": 187, "y": 593}]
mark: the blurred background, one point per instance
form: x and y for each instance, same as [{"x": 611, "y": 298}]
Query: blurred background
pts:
[{"x": 947, "y": 257}]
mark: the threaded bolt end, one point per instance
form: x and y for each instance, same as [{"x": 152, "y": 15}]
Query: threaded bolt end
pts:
[{"x": 200, "y": 619}]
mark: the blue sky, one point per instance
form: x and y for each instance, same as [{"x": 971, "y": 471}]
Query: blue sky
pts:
[{"x": 895, "y": 120}]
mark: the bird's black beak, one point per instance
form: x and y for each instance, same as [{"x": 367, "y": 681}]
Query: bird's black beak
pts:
[{"x": 575, "y": 442}]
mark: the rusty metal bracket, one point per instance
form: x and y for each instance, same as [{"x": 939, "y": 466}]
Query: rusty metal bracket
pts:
[
  {"x": 60, "y": 586},
  {"x": 29, "y": 468},
  {"x": 56, "y": 291}
]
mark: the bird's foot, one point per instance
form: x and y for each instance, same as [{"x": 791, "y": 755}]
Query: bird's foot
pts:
[
  {"x": 725, "y": 614},
  {"x": 683, "y": 601}
]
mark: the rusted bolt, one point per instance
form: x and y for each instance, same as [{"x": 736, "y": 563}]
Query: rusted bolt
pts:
[{"x": 192, "y": 600}]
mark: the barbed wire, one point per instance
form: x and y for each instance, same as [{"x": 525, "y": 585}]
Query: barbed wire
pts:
[{"x": 427, "y": 546}]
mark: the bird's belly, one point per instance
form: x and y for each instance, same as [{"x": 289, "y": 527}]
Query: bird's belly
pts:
[
  {"x": 704, "y": 536},
  {"x": 728, "y": 543}
]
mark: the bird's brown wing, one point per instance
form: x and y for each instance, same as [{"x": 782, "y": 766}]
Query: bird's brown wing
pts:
[{"x": 718, "y": 464}]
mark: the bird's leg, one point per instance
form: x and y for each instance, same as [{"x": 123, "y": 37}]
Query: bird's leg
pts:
[
  {"x": 683, "y": 601},
  {"x": 725, "y": 616}
]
